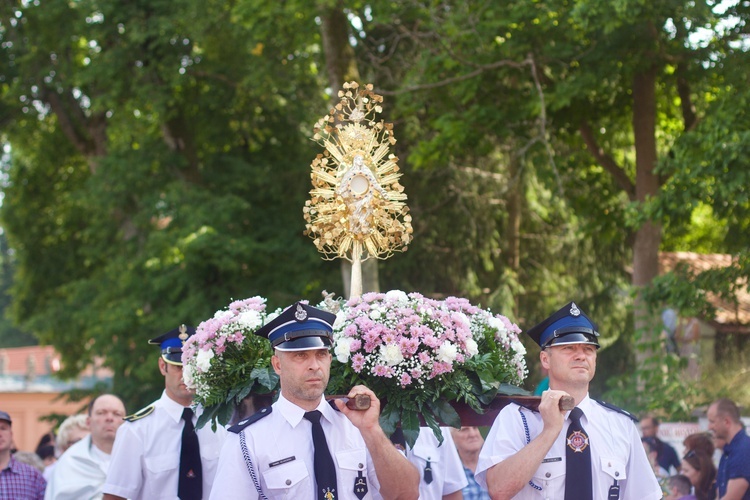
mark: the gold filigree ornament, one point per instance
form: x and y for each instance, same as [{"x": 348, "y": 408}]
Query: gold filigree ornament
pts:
[{"x": 357, "y": 207}]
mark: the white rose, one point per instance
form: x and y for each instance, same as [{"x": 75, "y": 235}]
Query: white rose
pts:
[
  {"x": 396, "y": 296},
  {"x": 391, "y": 354},
  {"x": 374, "y": 314},
  {"x": 471, "y": 347},
  {"x": 447, "y": 352},
  {"x": 517, "y": 346},
  {"x": 203, "y": 360},
  {"x": 343, "y": 349},
  {"x": 249, "y": 319}
]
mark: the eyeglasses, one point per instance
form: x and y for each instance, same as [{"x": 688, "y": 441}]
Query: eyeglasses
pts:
[{"x": 689, "y": 454}]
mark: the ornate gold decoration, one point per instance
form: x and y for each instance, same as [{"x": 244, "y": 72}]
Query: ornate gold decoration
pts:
[{"x": 357, "y": 207}]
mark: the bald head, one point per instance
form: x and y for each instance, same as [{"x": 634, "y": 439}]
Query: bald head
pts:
[{"x": 106, "y": 414}]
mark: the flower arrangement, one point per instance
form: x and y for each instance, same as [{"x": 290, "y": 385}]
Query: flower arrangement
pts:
[
  {"x": 224, "y": 362},
  {"x": 419, "y": 354}
]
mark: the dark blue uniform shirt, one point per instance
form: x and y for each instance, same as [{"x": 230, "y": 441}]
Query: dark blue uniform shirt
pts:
[{"x": 735, "y": 463}]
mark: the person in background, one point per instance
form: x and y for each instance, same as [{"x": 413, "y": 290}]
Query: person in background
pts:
[
  {"x": 679, "y": 488},
  {"x": 666, "y": 456},
  {"x": 699, "y": 441},
  {"x": 72, "y": 430},
  {"x": 47, "y": 454},
  {"x": 18, "y": 480},
  {"x": 30, "y": 458},
  {"x": 158, "y": 453},
  {"x": 469, "y": 443},
  {"x": 82, "y": 469},
  {"x": 700, "y": 470},
  {"x": 439, "y": 466},
  {"x": 733, "y": 477}
]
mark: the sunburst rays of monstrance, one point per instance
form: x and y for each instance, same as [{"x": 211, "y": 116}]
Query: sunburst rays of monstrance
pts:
[{"x": 357, "y": 208}]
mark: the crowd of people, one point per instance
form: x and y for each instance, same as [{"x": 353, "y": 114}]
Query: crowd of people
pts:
[{"x": 303, "y": 446}]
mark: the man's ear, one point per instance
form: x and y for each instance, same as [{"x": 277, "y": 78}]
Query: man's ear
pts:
[
  {"x": 162, "y": 366},
  {"x": 544, "y": 358},
  {"x": 276, "y": 363}
]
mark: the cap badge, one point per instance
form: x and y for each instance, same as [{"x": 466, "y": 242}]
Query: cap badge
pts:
[
  {"x": 300, "y": 314},
  {"x": 574, "y": 311},
  {"x": 183, "y": 333}
]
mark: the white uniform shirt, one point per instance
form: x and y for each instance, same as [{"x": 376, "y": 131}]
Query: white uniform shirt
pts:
[
  {"x": 447, "y": 470},
  {"x": 281, "y": 450},
  {"x": 146, "y": 455},
  {"x": 616, "y": 453},
  {"x": 79, "y": 473}
]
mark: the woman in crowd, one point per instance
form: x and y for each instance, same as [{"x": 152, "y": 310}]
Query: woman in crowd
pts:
[{"x": 700, "y": 469}]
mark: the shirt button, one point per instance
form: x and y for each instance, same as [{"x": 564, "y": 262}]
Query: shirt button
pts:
[
  {"x": 548, "y": 475},
  {"x": 288, "y": 482},
  {"x": 617, "y": 474},
  {"x": 360, "y": 466}
]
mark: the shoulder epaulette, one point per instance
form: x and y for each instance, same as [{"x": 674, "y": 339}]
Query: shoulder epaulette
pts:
[
  {"x": 618, "y": 410},
  {"x": 144, "y": 412},
  {"x": 239, "y": 426}
]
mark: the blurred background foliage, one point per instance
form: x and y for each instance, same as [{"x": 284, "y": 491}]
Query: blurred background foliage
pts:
[{"x": 156, "y": 161}]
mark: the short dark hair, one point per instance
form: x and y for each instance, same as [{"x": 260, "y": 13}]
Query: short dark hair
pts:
[
  {"x": 728, "y": 408},
  {"x": 680, "y": 483}
]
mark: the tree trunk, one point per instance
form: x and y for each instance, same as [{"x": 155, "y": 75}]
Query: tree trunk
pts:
[{"x": 648, "y": 236}]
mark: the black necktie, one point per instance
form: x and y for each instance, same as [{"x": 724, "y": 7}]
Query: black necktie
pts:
[
  {"x": 577, "y": 460},
  {"x": 325, "y": 471},
  {"x": 190, "y": 483}
]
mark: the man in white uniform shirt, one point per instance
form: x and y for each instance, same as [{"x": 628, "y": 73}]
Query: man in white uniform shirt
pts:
[
  {"x": 441, "y": 472},
  {"x": 158, "y": 454},
  {"x": 301, "y": 447},
  {"x": 591, "y": 452},
  {"x": 82, "y": 469}
]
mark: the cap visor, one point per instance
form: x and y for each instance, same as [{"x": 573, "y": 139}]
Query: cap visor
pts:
[
  {"x": 304, "y": 343},
  {"x": 574, "y": 338},
  {"x": 173, "y": 358}
]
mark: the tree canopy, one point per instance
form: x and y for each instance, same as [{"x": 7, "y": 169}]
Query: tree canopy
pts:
[{"x": 158, "y": 156}]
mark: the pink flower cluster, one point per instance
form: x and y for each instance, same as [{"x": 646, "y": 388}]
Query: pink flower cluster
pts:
[
  {"x": 409, "y": 338},
  {"x": 240, "y": 318}
]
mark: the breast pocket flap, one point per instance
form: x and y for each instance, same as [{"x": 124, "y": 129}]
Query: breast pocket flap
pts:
[{"x": 286, "y": 475}]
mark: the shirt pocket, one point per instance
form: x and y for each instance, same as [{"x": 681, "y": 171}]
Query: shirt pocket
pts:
[
  {"x": 162, "y": 464},
  {"x": 614, "y": 467},
  {"x": 550, "y": 477},
  {"x": 350, "y": 464},
  {"x": 290, "y": 480}
]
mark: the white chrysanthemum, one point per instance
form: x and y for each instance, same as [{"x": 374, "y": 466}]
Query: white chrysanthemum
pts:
[
  {"x": 396, "y": 296},
  {"x": 187, "y": 376},
  {"x": 340, "y": 320},
  {"x": 343, "y": 349},
  {"x": 375, "y": 314},
  {"x": 517, "y": 346},
  {"x": 462, "y": 318},
  {"x": 472, "y": 349},
  {"x": 391, "y": 354},
  {"x": 250, "y": 319},
  {"x": 223, "y": 314},
  {"x": 272, "y": 316},
  {"x": 203, "y": 360},
  {"x": 447, "y": 352}
]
